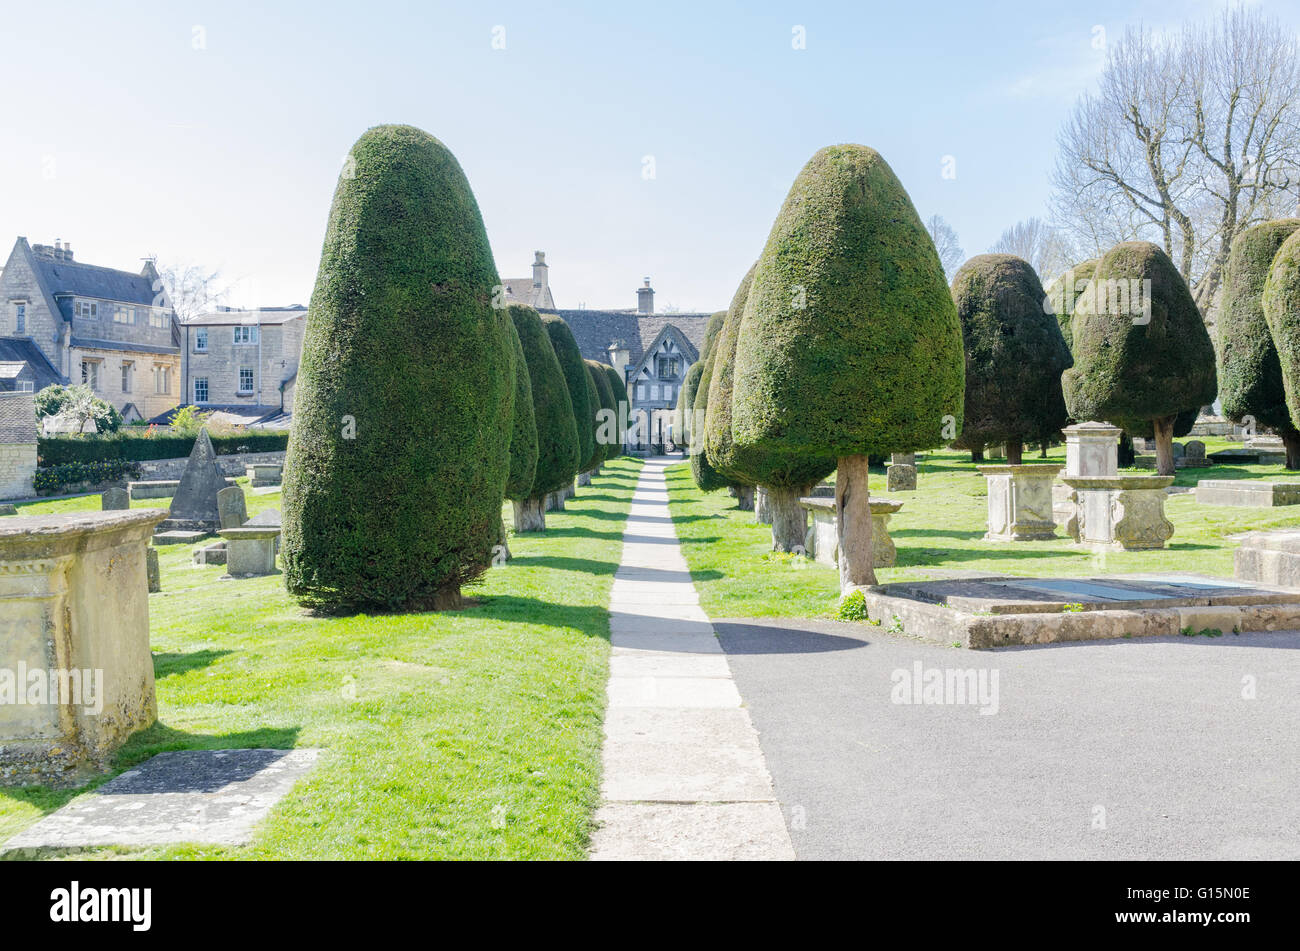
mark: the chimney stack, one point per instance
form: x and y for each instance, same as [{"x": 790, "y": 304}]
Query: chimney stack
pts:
[
  {"x": 67, "y": 250},
  {"x": 645, "y": 299},
  {"x": 540, "y": 269}
]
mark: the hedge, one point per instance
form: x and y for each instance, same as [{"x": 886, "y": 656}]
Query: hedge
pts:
[
  {"x": 139, "y": 447},
  {"x": 113, "y": 470}
]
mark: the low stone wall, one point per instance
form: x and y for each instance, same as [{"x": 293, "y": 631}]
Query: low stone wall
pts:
[
  {"x": 17, "y": 467},
  {"x": 235, "y": 464},
  {"x": 1269, "y": 558}
]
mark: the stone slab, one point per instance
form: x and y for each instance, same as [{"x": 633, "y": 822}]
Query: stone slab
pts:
[
  {"x": 215, "y": 797},
  {"x": 179, "y": 537},
  {"x": 1247, "y": 492},
  {"x": 728, "y": 831},
  {"x": 679, "y": 692},
  {"x": 1271, "y": 558}
]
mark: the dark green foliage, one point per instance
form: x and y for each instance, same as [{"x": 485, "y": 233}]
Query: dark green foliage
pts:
[
  {"x": 1127, "y": 368},
  {"x": 593, "y": 400},
  {"x": 873, "y": 362},
  {"x": 1282, "y": 311},
  {"x": 557, "y": 430},
  {"x": 137, "y": 444},
  {"x": 718, "y": 443},
  {"x": 618, "y": 390},
  {"x": 706, "y": 477},
  {"x": 1143, "y": 428},
  {"x": 1014, "y": 353},
  {"x": 1250, "y": 373},
  {"x": 49, "y": 478},
  {"x": 1062, "y": 295},
  {"x": 523, "y": 439},
  {"x": 685, "y": 399},
  {"x": 398, "y": 454},
  {"x": 605, "y": 395},
  {"x": 575, "y": 375},
  {"x": 711, "y": 332}
]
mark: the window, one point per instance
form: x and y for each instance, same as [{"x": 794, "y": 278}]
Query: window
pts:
[
  {"x": 201, "y": 390},
  {"x": 200, "y": 341},
  {"x": 25, "y": 386},
  {"x": 123, "y": 315},
  {"x": 128, "y": 370},
  {"x": 157, "y": 318},
  {"x": 20, "y": 318},
  {"x": 90, "y": 373},
  {"x": 245, "y": 379},
  {"x": 640, "y": 392},
  {"x": 668, "y": 368},
  {"x": 162, "y": 382},
  {"x": 86, "y": 308},
  {"x": 245, "y": 335},
  {"x": 654, "y": 391}
]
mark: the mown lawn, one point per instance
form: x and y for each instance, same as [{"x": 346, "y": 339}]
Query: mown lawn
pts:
[
  {"x": 939, "y": 531},
  {"x": 467, "y": 735}
]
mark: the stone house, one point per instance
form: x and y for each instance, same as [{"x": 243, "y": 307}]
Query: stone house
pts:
[
  {"x": 242, "y": 365},
  {"x": 534, "y": 291},
  {"x": 17, "y": 444},
  {"x": 652, "y": 351},
  {"x": 71, "y": 322}
]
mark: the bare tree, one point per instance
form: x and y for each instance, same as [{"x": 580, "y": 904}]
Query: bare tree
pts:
[
  {"x": 192, "y": 290},
  {"x": 1190, "y": 139},
  {"x": 1036, "y": 242},
  {"x": 945, "y": 240}
]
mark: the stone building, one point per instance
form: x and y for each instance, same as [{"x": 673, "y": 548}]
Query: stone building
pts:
[
  {"x": 242, "y": 365},
  {"x": 534, "y": 291},
  {"x": 113, "y": 330},
  {"x": 652, "y": 351},
  {"x": 17, "y": 444}
]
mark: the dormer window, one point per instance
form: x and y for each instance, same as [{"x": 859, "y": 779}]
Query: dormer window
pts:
[
  {"x": 668, "y": 367},
  {"x": 87, "y": 309},
  {"x": 123, "y": 315}
]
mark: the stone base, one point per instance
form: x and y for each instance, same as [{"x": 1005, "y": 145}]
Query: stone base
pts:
[
  {"x": 1121, "y": 512},
  {"x": 1269, "y": 558},
  {"x": 1247, "y": 492},
  {"x": 1020, "y": 502},
  {"x": 158, "y": 488},
  {"x": 822, "y": 542},
  {"x": 179, "y": 538},
  {"x": 214, "y": 554}
]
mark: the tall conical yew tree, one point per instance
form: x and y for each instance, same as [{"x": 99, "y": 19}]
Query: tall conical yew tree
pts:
[
  {"x": 557, "y": 429},
  {"x": 1282, "y": 311},
  {"x": 706, "y": 477},
  {"x": 580, "y": 392},
  {"x": 1015, "y": 355},
  {"x": 385, "y": 507},
  {"x": 523, "y": 439},
  {"x": 592, "y": 462},
  {"x": 1250, "y": 372},
  {"x": 604, "y": 432},
  {"x": 1141, "y": 351},
  {"x": 850, "y": 343},
  {"x": 618, "y": 390},
  {"x": 718, "y": 444},
  {"x": 1062, "y": 295},
  {"x": 685, "y": 399}
]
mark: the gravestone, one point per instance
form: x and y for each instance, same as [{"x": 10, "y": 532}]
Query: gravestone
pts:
[
  {"x": 1091, "y": 450},
  {"x": 900, "y": 476},
  {"x": 151, "y": 569},
  {"x": 194, "y": 507},
  {"x": 114, "y": 499},
  {"x": 1270, "y": 558},
  {"x": 1247, "y": 492},
  {"x": 8, "y": 508},
  {"x": 822, "y": 541},
  {"x": 264, "y": 473},
  {"x": 231, "y": 507},
  {"x": 1020, "y": 502},
  {"x": 1124, "y": 512},
  {"x": 251, "y": 548},
  {"x": 1193, "y": 456}
]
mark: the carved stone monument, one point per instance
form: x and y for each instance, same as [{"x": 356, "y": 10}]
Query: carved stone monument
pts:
[
  {"x": 1020, "y": 502},
  {"x": 822, "y": 542},
  {"x": 194, "y": 508},
  {"x": 1125, "y": 512}
]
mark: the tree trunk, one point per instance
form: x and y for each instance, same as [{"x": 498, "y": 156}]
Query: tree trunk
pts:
[
  {"x": 584, "y": 478},
  {"x": 853, "y": 524},
  {"x": 977, "y": 455},
  {"x": 1015, "y": 452},
  {"x": 1164, "y": 430},
  {"x": 568, "y": 492},
  {"x": 555, "y": 501},
  {"x": 530, "y": 515},
  {"x": 1042, "y": 450},
  {"x": 762, "y": 511},
  {"x": 1291, "y": 440},
  {"x": 1124, "y": 455},
  {"x": 745, "y": 498},
  {"x": 789, "y": 518}
]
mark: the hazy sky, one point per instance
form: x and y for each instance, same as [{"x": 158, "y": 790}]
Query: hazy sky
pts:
[{"x": 214, "y": 133}]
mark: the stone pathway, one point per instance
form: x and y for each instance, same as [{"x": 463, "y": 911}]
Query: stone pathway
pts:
[{"x": 684, "y": 776}]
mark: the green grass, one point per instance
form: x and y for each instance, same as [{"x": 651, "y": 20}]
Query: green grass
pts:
[
  {"x": 469, "y": 735},
  {"x": 939, "y": 531}
]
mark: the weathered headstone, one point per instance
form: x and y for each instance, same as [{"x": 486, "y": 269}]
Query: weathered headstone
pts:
[
  {"x": 1125, "y": 512},
  {"x": 900, "y": 476},
  {"x": 1091, "y": 450},
  {"x": 7, "y": 508},
  {"x": 1193, "y": 456},
  {"x": 231, "y": 507},
  {"x": 1020, "y": 502},
  {"x": 151, "y": 569},
  {"x": 264, "y": 473},
  {"x": 194, "y": 507},
  {"x": 822, "y": 541},
  {"x": 114, "y": 499}
]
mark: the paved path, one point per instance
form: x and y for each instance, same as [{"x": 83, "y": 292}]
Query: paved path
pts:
[
  {"x": 684, "y": 777},
  {"x": 1150, "y": 748}
]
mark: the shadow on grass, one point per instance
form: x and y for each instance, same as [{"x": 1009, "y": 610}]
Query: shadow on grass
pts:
[
  {"x": 930, "y": 557},
  {"x": 167, "y": 665},
  {"x": 933, "y": 533},
  {"x": 587, "y": 565},
  {"x": 591, "y": 621},
  {"x": 571, "y": 532}
]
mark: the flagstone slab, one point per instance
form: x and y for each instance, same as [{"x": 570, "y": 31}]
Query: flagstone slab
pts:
[
  {"x": 729, "y": 831},
  {"x": 215, "y": 797}
]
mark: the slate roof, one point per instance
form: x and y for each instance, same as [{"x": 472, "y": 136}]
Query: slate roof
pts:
[
  {"x": 91, "y": 280},
  {"x": 234, "y": 318},
  {"x": 595, "y": 330},
  {"x": 90, "y": 343},
  {"x": 25, "y": 350},
  {"x": 523, "y": 290},
  {"x": 17, "y": 418}
]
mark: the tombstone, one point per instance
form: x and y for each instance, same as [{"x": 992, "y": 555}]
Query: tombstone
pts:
[
  {"x": 231, "y": 508},
  {"x": 822, "y": 542},
  {"x": 1125, "y": 512},
  {"x": 1091, "y": 449},
  {"x": 114, "y": 499},
  {"x": 1020, "y": 502},
  {"x": 74, "y": 597},
  {"x": 151, "y": 569},
  {"x": 7, "y": 508},
  {"x": 1178, "y": 451},
  {"x": 264, "y": 473},
  {"x": 250, "y": 550},
  {"x": 194, "y": 507},
  {"x": 900, "y": 476},
  {"x": 1193, "y": 456}
]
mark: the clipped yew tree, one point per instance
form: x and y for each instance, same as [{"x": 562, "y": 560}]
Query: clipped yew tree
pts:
[
  {"x": 1015, "y": 354},
  {"x": 707, "y": 478},
  {"x": 605, "y": 441},
  {"x": 850, "y": 344},
  {"x": 1062, "y": 296},
  {"x": 1250, "y": 371},
  {"x": 718, "y": 444},
  {"x": 1139, "y": 355},
  {"x": 1282, "y": 311},
  {"x": 398, "y": 455},
  {"x": 592, "y": 462},
  {"x": 523, "y": 437},
  {"x": 618, "y": 390},
  {"x": 557, "y": 429},
  {"x": 685, "y": 398},
  {"x": 580, "y": 394}
]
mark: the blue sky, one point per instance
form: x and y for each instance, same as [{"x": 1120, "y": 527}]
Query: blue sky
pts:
[{"x": 214, "y": 133}]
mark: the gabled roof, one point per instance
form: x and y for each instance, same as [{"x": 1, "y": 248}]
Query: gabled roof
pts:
[
  {"x": 72, "y": 278},
  {"x": 689, "y": 351},
  {"x": 525, "y": 291},
  {"x": 25, "y": 350},
  {"x": 238, "y": 318},
  {"x": 595, "y": 330}
]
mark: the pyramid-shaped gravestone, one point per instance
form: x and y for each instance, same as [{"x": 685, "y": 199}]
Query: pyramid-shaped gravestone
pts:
[{"x": 194, "y": 507}]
